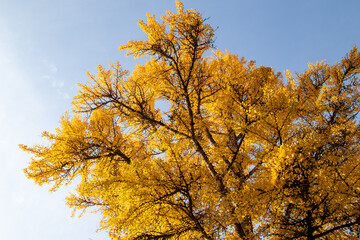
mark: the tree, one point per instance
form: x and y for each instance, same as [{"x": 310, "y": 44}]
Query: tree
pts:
[{"x": 195, "y": 147}]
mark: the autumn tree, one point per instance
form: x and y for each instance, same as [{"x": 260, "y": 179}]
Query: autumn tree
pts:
[{"x": 195, "y": 147}]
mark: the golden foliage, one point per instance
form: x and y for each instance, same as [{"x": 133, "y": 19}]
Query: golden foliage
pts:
[{"x": 233, "y": 151}]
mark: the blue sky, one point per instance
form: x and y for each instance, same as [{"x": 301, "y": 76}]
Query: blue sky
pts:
[{"x": 46, "y": 47}]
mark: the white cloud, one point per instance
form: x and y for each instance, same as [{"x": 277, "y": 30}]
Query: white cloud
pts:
[
  {"x": 63, "y": 94},
  {"x": 50, "y": 66},
  {"x": 57, "y": 83}
]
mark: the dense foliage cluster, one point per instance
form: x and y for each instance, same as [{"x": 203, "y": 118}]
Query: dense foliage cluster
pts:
[{"x": 195, "y": 147}]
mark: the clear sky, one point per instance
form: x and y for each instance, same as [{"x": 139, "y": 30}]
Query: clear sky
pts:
[{"x": 46, "y": 46}]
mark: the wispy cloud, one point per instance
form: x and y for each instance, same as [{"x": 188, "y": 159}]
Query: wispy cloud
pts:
[
  {"x": 50, "y": 66},
  {"x": 55, "y": 83},
  {"x": 52, "y": 78}
]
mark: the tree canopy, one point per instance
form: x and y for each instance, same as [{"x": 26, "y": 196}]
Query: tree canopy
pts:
[{"x": 197, "y": 143}]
